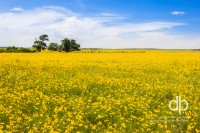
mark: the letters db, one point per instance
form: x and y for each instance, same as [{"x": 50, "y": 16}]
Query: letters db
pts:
[{"x": 178, "y": 102}]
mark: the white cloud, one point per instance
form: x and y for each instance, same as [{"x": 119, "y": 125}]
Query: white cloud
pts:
[
  {"x": 108, "y": 14},
  {"x": 20, "y": 29},
  {"x": 17, "y": 9},
  {"x": 178, "y": 13}
]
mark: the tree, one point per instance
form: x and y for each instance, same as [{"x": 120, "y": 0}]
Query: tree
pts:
[
  {"x": 66, "y": 44},
  {"x": 70, "y": 45},
  {"x": 74, "y": 45},
  {"x": 44, "y": 38},
  {"x": 11, "y": 48},
  {"x": 40, "y": 44},
  {"x": 53, "y": 46},
  {"x": 61, "y": 48}
]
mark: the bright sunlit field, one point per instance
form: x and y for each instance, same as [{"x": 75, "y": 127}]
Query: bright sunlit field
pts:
[{"x": 100, "y": 92}]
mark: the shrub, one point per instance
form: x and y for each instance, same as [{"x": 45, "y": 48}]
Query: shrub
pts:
[{"x": 2, "y": 50}]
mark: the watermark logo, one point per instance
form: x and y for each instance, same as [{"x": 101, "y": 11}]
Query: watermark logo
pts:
[{"x": 178, "y": 102}]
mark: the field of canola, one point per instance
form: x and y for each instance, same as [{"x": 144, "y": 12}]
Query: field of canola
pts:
[{"x": 99, "y": 92}]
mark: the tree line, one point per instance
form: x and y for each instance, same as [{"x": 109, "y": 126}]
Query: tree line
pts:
[
  {"x": 66, "y": 45},
  {"x": 13, "y": 49}
]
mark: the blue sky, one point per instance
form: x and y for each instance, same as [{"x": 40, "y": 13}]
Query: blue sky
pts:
[{"x": 103, "y": 23}]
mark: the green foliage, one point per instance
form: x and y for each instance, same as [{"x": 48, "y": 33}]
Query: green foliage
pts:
[
  {"x": 2, "y": 50},
  {"x": 13, "y": 49},
  {"x": 70, "y": 45},
  {"x": 40, "y": 44},
  {"x": 66, "y": 44},
  {"x": 61, "y": 48},
  {"x": 74, "y": 45},
  {"x": 44, "y": 38},
  {"x": 26, "y": 50},
  {"x": 53, "y": 46}
]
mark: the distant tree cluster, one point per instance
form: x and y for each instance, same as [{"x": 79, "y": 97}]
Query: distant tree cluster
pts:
[
  {"x": 13, "y": 49},
  {"x": 196, "y": 50},
  {"x": 66, "y": 45}
]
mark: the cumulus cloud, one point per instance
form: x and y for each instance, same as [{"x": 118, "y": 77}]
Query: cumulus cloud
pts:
[
  {"x": 178, "y": 13},
  {"x": 20, "y": 29},
  {"x": 17, "y": 9}
]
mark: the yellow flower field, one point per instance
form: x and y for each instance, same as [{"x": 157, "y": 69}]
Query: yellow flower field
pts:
[{"x": 99, "y": 92}]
